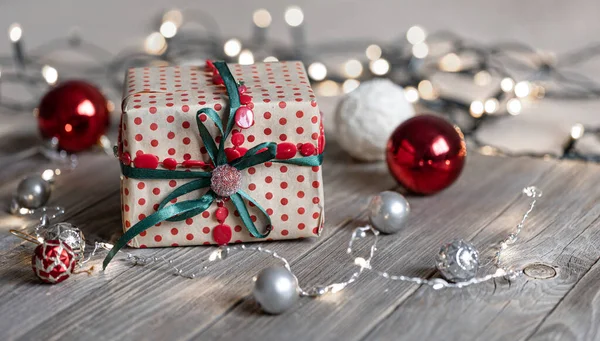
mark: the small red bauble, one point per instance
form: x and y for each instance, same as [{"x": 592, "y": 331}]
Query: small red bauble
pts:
[
  {"x": 53, "y": 261},
  {"x": 426, "y": 154},
  {"x": 75, "y": 112}
]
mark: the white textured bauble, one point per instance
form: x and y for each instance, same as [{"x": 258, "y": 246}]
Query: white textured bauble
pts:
[{"x": 366, "y": 117}]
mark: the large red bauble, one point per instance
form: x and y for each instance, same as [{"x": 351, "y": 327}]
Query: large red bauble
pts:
[
  {"x": 53, "y": 261},
  {"x": 426, "y": 154},
  {"x": 76, "y": 113}
]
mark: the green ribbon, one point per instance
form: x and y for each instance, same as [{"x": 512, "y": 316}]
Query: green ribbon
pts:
[{"x": 259, "y": 154}]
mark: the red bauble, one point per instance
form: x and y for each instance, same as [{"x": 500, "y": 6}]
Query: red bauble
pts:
[
  {"x": 426, "y": 154},
  {"x": 53, "y": 261},
  {"x": 76, "y": 113}
]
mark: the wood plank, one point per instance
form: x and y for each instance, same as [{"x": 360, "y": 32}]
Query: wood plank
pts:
[
  {"x": 563, "y": 233},
  {"x": 80, "y": 193},
  {"x": 74, "y": 190},
  {"x": 144, "y": 295},
  {"x": 489, "y": 185},
  {"x": 576, "y": 316}
]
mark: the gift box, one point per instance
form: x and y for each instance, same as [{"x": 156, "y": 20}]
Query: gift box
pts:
[{"x": 219, "y": 154}]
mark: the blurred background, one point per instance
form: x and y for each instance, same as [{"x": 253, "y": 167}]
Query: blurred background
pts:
[{"x": 119, "y": 28}]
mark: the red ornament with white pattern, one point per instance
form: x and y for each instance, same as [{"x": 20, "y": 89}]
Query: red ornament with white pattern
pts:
[{"x": 53, "y": 261}]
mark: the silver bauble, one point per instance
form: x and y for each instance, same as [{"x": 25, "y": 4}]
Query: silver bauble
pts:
[
  {"x": 33, "y": 192},
  {"x": 68, "y": 234},
  {"x": 388, "y": 212},
  {"x": 276, "y": 289},
  {"x": 458, "y": 261}
]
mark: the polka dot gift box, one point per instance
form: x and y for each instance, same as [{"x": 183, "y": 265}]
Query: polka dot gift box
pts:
[{"x": 218, "y": 154}]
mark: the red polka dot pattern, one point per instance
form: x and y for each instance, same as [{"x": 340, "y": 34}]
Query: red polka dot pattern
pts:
[{"x": 164, "y": 125}]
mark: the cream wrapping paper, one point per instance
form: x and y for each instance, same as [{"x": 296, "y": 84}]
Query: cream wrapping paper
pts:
[{"x": 159, "y": 109}]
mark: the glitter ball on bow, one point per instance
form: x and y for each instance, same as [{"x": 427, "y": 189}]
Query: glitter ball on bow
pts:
[{"x": 250, "y": 171}]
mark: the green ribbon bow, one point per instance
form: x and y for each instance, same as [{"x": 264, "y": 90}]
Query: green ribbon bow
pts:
[{"x": 259, "y": 154}]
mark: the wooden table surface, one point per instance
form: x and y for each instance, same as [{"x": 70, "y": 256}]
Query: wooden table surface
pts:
[{"x": 559, "y": 300}]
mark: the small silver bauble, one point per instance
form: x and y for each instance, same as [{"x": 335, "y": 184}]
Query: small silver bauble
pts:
[
  {"x": 388, "y": 212},
  {"x": 458, "y": 261},
  {"x": 68, "y": 234},
  {"x": 276, "y": 289},
  {"x": 33, "y": 192}
]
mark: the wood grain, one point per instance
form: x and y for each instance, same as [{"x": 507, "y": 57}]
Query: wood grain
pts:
[
  {"x": 160, "y": 289},
  {"x": 129, "y": 302},
  {"x": 562, "y": 233},
  {"x": 352, "y": 313}
]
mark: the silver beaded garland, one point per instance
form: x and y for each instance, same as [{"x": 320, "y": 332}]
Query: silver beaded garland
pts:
[
  {"x": 276, "y": 289},
  {"x": 68, "y": 234},
  {"x": 33, "y": 192},
  {"x": 458, "y": 261},
  {"x": 388, "y": 212}
]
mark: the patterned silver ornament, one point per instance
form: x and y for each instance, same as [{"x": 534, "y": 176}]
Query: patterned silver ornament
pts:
[
  {"x": 276, "y": 289},
  {"x": 458, "y": 261},
  {"x": 33, "y": 192},
  {"x": 66, "y": 233},
  {"x": 388, "y": 212}
]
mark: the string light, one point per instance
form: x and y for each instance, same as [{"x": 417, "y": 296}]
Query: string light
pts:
[
  {"x": 476, "y": 108},
  {"x": 294, "y": 16},
  {"x": 538, "y": 91},
  {"x": 507, "y": 84},
  {"x": 353, "y": 68},
  {"x": 450, "y": 63},
  {"x": 420, "y": 50},
  {"x": 350, "y": 85},
  {"x": 491, "y": 105},
  {"x": 15, "y": 32},
  {"x": 50, "y": 74},
  {"x": 262, "y": 18},
  {"x": 317, "y": 71},
  {"x": 363, "y": 263},
  {"x": 379, "y": 67},
  {"x": 270, "y": 59},
  {"x": 514, "y": 106},
  {"x": 577, "y": 131},
  {"x": 522, "y": 89},
  {"x": 328, "y": 88},
  {"x": 411, "y": 94},
  {"x": 426, "y": 90},
  {"x": 232, "y": 47},
  {"x": 155, "y": 44},
  {"x": 405, "y": 73},
  {"x": 246, "y": 57},
  {"x": 168, "y": 29},
  {"x": 174, "y": 16},
  {"x": 110, "y": 105},
  {"x": 373, "y": 52},
  {"x": 416, "y": 35},
  {"x": 482, "y": 78}
]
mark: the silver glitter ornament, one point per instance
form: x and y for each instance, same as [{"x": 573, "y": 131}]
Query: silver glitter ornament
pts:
[
  {"x": 33, "y": 192},
  {"x": 458, "y": 261},
  {"x": 68, "y": 234},
  {"x": 276, "y": 289},
  {"x": 388, "y": 212}
]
